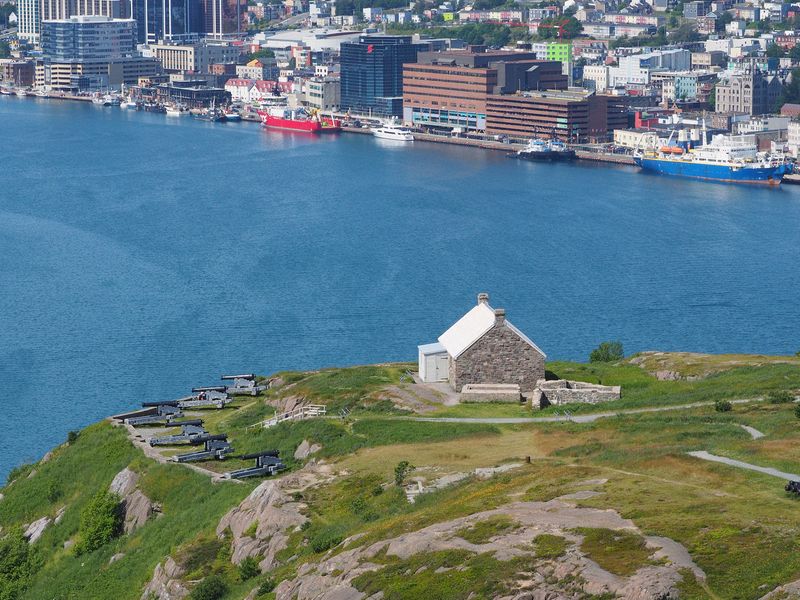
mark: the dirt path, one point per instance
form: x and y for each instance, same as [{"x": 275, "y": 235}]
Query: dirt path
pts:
[
  {"x": 754, "y": 433},
  {"x": 702, "y": 454},
  {"x": 590, "y": 418}
]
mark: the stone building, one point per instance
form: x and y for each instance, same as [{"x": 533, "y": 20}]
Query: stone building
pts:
[{"x": 483, "y": 347}]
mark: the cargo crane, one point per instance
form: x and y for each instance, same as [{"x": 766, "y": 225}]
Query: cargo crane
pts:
[
  {"x": 214, "y": 447},
  {"x": 189, "y": 431},
  {"x": 161, "y": 412},
  {"x": 267, "y": 463}
]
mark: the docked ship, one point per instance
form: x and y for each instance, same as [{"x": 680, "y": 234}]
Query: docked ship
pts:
[
  {"x": 393, "y": 131},
  {"x": 281, "y": 117},
  {"x": 727, "y": 158},
  {"x": 546, "y": 150}
]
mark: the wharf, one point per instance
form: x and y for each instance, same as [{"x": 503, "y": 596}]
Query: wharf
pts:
[
  {"x": 619, "y": 159},
  {"x": 446, "y": 139}
]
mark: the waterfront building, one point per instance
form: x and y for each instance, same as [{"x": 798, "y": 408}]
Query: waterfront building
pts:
[
  {"x": 372, "y": 73},
  {"x": 19, "y": 72},
  {"x": 28, "y": 21},
  {"x": 258, "y": 69},
  {"x": 793, "y": 139},
  {"x": 573, "y": 115},
  {"x": 191, "y": 93},
  {"x": 196, "y": 57},
  {"x": 751, "y": 93},
  {"x": 323, "y": 93},
  {"x": 90, "y": 52},
  {"x": 450, "y": 89}
]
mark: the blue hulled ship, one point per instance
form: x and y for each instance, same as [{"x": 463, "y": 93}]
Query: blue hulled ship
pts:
[{"x": 727, "y": 158}]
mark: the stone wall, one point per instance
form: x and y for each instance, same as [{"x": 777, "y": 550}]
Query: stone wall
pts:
[
  {"x": 562, "y": 391},
  {"x": 500, "y": 356}
]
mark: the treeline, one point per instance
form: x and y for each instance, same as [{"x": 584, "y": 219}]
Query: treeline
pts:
[{"x": 356, "y": 7}]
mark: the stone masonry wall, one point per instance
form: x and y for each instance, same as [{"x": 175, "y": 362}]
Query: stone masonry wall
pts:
[{"x": 500, "y": 356}]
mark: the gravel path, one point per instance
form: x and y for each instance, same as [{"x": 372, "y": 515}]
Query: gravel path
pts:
[
  {"x": 589, "y": 418},
  {"x": 754, "y": 433},
  {"x": 702, "y": 454}
]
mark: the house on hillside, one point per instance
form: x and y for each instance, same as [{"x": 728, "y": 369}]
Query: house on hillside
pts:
[{"x": 482, "y": 347}]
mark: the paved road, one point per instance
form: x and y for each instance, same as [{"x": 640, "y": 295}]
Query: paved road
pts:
[
  {"x": 588, "y": 418},
  {"x": 702, "y": 454}
]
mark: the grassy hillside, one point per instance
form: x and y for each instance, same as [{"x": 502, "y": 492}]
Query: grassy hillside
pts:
[{"x": 738, "y": 526}]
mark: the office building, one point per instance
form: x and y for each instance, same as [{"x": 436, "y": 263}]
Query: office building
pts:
[
  {"x": 449, "y": 89},
  {"x": 28, "y": 21},
  {"x": 751, "y": 93},
  {"x": 569, "y": 115},
  {"x": 196, "y": 57},
  {"x": 372, "y": 73},
  {"x": 222, "y": 17},
  {"x": 167, "y": 20}
]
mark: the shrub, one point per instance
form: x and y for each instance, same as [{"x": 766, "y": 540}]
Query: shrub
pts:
[
  {"x": 549, "y": 546},
  {"x": 53, "y": 492},
  {"x": 19, "y": 561},
  {"x": 402, "y": 469},
  {"x": 251, "y": 530},
  {"x": 72, "y": 437},
  {"x": 101, "y": 522},
  {"x": 780, "y": 397},
  {"x": 607, "y": 352},
  {"x": 723, "y": 406},
  {"x": 797, "y": 411},
  {"x": 248, "y": 568},
  {"x": 325, "y": 540},
  {"x": 212, "y": 587},
  {"x": 19, "y": 472},
  {"x": 266, "y": 587}
]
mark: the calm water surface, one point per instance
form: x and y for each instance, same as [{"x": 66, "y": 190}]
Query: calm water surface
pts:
[{"x": 141, "y": 255}]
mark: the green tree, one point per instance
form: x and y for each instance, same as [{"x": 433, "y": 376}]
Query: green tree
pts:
[
  {"x": 791, "y": 90},
  {"x": 723, "y": 406},
  {"x": 684, "y": 34},
  {"x": 775, "y": 51},
  {"x": 248, "y": 568},
  {"x": 19, "y": 562},
  {"x": 5, "y": 49},
  {"x": 212, "y": 587},
  {"x": 402, "y": 470},
  {"x": 101, "y": 522},
  {"x": 564, "y": 27},
  {"x": 607, "y": 352}
]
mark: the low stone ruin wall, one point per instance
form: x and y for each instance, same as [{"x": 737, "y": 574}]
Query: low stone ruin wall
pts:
[
  {"x": 562, "y": 391},
  {"x": 490, "y": 392}
]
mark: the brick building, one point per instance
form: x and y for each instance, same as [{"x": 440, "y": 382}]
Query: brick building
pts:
[
  {"x": 482, "y": 347},
  {"x": 450, "y": 89},
  {"x": 571, "y": 116}
]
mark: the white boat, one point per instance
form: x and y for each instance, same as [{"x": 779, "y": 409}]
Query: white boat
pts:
[
  {"x": 128, "y": 104},
  {"x": 22, "y": 93},
  {"x": 42, "y": 93},
  {"x": 176, "y": 111},
  {"x": 393, "y": 131},
  {"x": 232, "y": 115}
]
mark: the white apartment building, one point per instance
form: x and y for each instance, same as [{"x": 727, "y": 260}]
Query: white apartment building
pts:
[
  {"x": 596, "y": 76},
  {"x": 28, "y": 21}
]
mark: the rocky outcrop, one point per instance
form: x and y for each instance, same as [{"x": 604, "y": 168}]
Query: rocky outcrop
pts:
[
  {"x": 261, "y": 523},
  {"x": 138, "y": 507},
  {"x": 784, "y": 592},
  {"x": 306, "y": 449},
  {"x": 35, "y": 530},
  {"x": 571, "y": 576},
  {"x": 166, "y": 583}
]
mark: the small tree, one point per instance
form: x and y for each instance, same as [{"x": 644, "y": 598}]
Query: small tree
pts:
[
  {"x": 248, "y": 568},
  {"x": 780, "y": 397},
  {"x": 72, "y": 437},
  {"x": 101, "y": 522},
  {"x": 402, "y": 469},
  {"x": 607, "y": 352},
  {"x": 723, "y": 406},
  {"x": 212, "y": 587}
]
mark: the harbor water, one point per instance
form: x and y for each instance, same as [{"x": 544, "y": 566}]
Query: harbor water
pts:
[{"x": 141, "y": 255}]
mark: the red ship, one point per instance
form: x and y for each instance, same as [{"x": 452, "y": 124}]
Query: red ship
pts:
[{"x": 299, "y": 120}]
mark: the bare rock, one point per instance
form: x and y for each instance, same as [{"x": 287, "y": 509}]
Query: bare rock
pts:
[
  {"x": 138, "y": 507},
  {"x": 789, "y": 590},
  {"x": 1, "y": 497},
  {"x": 274, "y": 513},
  {"x": 35, "y": 530},
  {"x": 69, "y": 544},
  {"x": 116, "y": 557},
  {"x": 305, "y": 449},
  {"x": 46, "y": 457},
  {"x": 668, "y": 375},
  {"x": 60, "y": 515},
  {"x": 166, "y": 583},
  {"x": 32, "y": 474}
]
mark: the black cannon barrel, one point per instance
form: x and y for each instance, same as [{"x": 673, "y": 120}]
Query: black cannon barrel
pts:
[
  {"x": 162, "y": 403},
  {"x": 273, "y": 453},
  {"x": 201, "y": 439},
  {"x": 218, "y": 388},
  {"x": 247, "y": 376},
  {"x": 189, "y": 422}
]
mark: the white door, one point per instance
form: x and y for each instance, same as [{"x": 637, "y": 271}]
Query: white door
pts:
[{"x": 441, "y": 367}]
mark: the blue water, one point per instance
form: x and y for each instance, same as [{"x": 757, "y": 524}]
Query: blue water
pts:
[{"x": 142, "y": 255}]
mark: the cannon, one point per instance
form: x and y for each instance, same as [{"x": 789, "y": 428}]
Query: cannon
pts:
[
  {"x": 214, "y": 447},
  {"x": 793, "y": 487},
  {"x": 243, "y": 385},
  {"x": 162, "y": 414},
  {"x": 160, "y": 403},
  {"x": 267, "y": 463},
  {"x": 206, "y": 397},
  {"x": 189, "y": 431}
]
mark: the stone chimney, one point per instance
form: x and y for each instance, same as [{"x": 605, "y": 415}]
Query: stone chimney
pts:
[
  {"x": 483, "y": 298},
  {"x": 499, "y": 316}
]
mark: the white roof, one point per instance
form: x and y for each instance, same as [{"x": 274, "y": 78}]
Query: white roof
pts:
[
  {"x": 472, "y": 326},
  {"x": 434, "y": 348}
]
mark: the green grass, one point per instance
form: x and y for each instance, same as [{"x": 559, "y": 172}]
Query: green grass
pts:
[
  {"x": 549, "y": 546},
  {"x": 618, "y": 552},
  {"x": 483, "y": 531}
]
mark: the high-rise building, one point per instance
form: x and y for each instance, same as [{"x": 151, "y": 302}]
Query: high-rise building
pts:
[
  {"x": 167, "y": 20},
  {"x": 90, "y": 52},
  {"x": 372, "y": 73},
  {"x": 28, "y": 21},
  {"x": 222, "y": 17}
]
